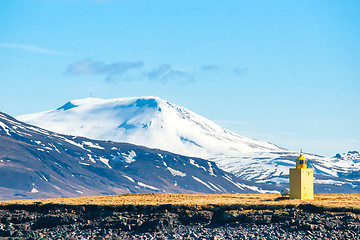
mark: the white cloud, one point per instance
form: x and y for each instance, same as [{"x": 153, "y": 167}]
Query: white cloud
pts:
[
  {"x": 110, "y": 70},
  {"x": 138, "y": 71},
  {"x": 32, "y": 48},
  {"x": 167, "y": 72}
]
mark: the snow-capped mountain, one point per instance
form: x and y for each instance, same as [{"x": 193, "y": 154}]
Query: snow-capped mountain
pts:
[
  {"x": 36, "y": 163},
  {"x": 148, "y": 121},
  {"x": 156, "y": 123}
]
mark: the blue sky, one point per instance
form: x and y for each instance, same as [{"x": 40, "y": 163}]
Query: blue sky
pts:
[{"x": 282, "y": 71}]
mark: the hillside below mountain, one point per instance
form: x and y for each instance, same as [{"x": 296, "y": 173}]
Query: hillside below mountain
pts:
[{"x": 37, "y": 163}]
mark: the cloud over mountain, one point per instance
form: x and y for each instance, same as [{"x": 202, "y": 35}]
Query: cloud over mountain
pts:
[
  {"x": 138, "y": 70},
  {"x": 167, "y": 72},
  {"x": 110, "y": 70}
]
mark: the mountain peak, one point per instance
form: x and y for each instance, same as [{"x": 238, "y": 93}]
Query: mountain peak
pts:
[{"x": 94, "y": 101}]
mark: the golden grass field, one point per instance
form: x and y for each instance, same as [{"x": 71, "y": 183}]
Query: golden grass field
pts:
[{"x": 349, "y": 201}]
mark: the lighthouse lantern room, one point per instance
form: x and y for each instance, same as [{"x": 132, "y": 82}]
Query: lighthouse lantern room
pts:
[{"x": 301, "y": 180}]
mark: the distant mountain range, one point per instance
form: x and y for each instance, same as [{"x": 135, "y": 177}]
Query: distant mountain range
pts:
[
  {"x": 37, "y": 163},
  {"x": 352, "y": 156},
  {"x": 156, "y": 123}
]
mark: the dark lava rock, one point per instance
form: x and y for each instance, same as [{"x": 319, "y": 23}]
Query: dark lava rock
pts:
[{"x": 180, "y": 222}]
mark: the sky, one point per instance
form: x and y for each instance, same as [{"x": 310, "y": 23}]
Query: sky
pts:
[{"x": 287, "y": 72}]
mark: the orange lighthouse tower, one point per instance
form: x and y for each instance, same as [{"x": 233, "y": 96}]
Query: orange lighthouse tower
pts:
[{"x": 302, "y": 180}]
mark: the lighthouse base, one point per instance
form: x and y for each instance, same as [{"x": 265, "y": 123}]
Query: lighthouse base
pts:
[{"x": 302, "y": 183}]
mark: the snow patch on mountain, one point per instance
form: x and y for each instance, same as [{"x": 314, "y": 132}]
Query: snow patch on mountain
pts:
[
  {"x": 204, "y": 183},
  {"x": 90, "y": 144},
  {"x": 176, "y": 172},
  {"x": 105, "y": 161},
  {"x": 129, "y": 157},
  {"x": 6, "y": 128},
  {"x": 147, "y": 186},
  {"x": 132, "y": 180}
]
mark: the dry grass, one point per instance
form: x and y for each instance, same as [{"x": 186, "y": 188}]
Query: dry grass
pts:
[{"x": 349, "y": 201}]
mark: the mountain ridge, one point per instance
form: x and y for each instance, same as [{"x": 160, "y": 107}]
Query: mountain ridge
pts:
[{"x": 156, "y": 123}]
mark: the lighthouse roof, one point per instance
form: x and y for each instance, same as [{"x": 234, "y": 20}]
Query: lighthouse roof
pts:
[{"x": 301, "y": 157}]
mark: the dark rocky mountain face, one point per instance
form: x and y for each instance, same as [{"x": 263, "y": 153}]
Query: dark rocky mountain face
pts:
[{"x": 36, "y": 163}]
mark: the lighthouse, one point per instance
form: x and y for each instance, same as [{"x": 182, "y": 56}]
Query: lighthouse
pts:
[{"x": 301, "y": 180}]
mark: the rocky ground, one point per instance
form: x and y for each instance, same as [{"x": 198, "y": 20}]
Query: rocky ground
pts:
[{"x": 53, "y": 221}]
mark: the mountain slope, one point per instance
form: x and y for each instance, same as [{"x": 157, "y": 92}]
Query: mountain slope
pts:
[
  {"x": 38, "y": 163},
  {"x": 156, "y": 123}
]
